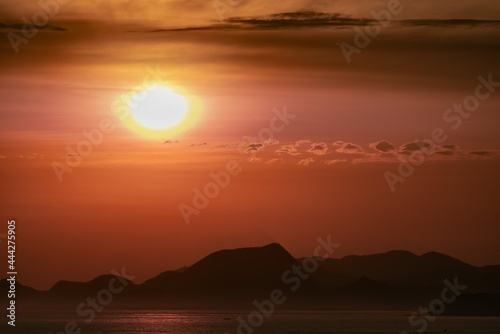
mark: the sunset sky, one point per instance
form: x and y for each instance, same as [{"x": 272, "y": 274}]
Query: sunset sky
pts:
[{"x": 323, "y": 173}]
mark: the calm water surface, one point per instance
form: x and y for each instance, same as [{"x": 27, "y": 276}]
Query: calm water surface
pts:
[{"x": 284, "y": 322}]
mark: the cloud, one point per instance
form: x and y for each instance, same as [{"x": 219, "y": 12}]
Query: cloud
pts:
[
  {"x": 288, "y": 149},
  {"x": 256, "y": 147},
  {"x": 349, "y": 153},
  {"x": 447, "y": 149},
  {"x": 254, "y": 159},
  {"x": 315, "y": 19},
  {"x": 227, "y": 145},
  {"x": 483, "y": 153},
  {"x": 200, "y": 144},
  {"x": 20, "y": 26},
  {"x": 273, "y": 161},
  {"x": 382, "y": 146},
  {"x": 446, "y": 152},
  {"x": 298, "y": 19},
  {"x": 447, "y": 23},
  {"x": 335, "y": 161},
  {"x": 414, "y": 146},
  {"x": 349, "y": 148},
  {"x": 171, "y": 142},
  {"x": 302, "y": 141},
  {"x": 33, "y": 156},
  {"x": 318, "y": 148},
  {"x": 306, "y": 162},
  {"x": 271, "y": 142}
]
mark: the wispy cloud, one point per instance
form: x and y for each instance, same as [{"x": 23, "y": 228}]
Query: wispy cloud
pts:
[
  {"x": 482, "y": 153},
  {"x": 273, "y": 161},
  {"x": 382, "y": 146},
  {"x": 335, "y": 161},
  {"x": 288, "y": 149},
  {"x": 349, "y": 148},
  {"x": 21, "y": 26},
  {"x": 318, "y": 148},
  {"x": 256, "y": 147},
  {"x": 306, "y": 162},
  {"x": 311, "y": 19}
]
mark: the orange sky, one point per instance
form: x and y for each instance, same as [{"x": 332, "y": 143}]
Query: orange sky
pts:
[{"x": 120, "y": 206}]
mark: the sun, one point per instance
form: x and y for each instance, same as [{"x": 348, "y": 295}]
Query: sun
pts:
[
  {"x": 157, "y": 111},
  {"x": 158, "y": 108}
]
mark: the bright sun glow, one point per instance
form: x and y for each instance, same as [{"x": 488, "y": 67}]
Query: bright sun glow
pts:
[
  {"x": 158, "y": 111},
  {"x": 158, "y": 108}
]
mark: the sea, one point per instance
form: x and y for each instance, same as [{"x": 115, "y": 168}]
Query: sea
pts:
[{"x": 244, "y": 322}]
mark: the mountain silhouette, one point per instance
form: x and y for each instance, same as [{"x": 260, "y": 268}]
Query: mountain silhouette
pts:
[
  {"x": 254, "y": 268},
  {"x": 390, "y": 280},
  {"x": 69, "y": 289},
  {"x": 22, "y": 291},
  {"x": 402, "y": 268}
]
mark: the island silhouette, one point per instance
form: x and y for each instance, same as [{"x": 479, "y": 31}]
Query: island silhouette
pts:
[{"x": 241, "y": 278}]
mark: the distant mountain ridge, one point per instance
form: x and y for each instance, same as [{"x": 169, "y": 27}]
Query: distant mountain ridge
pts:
[
  {"x": 240, "y": 275},
  {"x": 70, "y": 289},
  {"x": 403, "y": 268}
]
